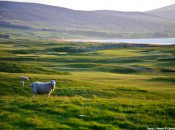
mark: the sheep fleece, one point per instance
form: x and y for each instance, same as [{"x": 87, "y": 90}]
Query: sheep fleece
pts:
[{"x": 40, "y": 87}]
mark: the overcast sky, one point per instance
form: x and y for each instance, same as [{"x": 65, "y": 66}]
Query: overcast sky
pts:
[{"x": 119, "y": 5}]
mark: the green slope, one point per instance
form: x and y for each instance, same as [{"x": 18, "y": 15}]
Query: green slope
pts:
[{"x": 101, "y": 91}]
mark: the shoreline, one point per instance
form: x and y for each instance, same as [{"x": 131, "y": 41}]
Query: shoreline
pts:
[{"x": 152, "y": 41}]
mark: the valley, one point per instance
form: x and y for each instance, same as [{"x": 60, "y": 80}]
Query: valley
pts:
[{"x": 93, "y": 80}]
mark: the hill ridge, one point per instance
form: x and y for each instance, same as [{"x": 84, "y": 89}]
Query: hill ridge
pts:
[{"x": 112, "y": 23}]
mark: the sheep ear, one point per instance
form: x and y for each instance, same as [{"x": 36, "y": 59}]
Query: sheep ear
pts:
[{"x": 51, "y": 82}]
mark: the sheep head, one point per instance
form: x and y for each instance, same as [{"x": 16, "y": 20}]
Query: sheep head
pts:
[{"x": 53, "y": 83}]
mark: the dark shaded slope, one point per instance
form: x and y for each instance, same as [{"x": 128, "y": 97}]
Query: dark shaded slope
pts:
[{"x": 111, "y": 22}]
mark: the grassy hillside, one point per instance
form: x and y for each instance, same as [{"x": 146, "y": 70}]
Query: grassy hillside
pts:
[{"x": 98, "y": 87}]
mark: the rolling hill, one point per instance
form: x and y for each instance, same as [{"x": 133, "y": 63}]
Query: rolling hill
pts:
[
  {"x": 100, "y": 23},
  {"x": 165, "y": 12}
]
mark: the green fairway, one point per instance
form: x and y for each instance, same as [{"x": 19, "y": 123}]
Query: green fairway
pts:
[{"x": 99, "y": 86}]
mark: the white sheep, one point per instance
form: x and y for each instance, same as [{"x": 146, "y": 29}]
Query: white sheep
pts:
[
  {"x": 41, "y": 88},
  {"x": 24, "y": 78},
  {"x": 22, "y": 83}
]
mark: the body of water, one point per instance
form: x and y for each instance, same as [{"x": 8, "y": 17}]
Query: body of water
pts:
[{"x": 160, "y": 41}]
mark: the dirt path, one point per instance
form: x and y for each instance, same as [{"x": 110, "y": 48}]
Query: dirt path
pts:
[{"x": 142, "y": 69}]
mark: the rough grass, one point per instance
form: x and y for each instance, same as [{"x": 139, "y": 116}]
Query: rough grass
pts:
[
  {"x": 101, "y": 91},
  {"x": 99, "y": 113},
  {"x": 19, "y": 67}
]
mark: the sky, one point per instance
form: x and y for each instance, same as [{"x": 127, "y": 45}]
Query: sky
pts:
[{"x": 118, "y": 5}]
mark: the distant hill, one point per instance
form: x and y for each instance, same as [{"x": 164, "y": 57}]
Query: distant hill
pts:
[
  {"x": 165, "y": 12},
  {"x": 102, "y": 23}
]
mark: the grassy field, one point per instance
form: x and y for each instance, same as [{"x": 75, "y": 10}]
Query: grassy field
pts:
[{"x": 99, "y": 86}]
